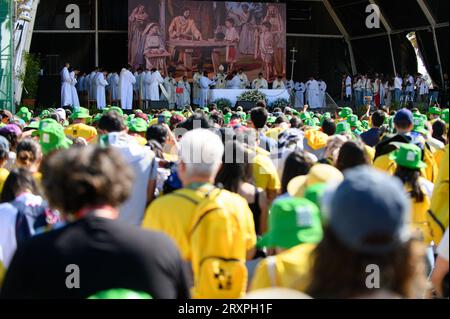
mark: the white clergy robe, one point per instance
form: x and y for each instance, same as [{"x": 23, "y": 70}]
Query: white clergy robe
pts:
[
  {"x": 155, "y": 81},
  {"x": 126, "y": 82},
  {"x": 101, "y": 84},
  {"x": 66, "y": 88}
]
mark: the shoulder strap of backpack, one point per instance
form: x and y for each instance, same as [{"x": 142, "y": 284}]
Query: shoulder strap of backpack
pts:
[
  {"x": 22, "y": 227},
  {"x": 271, "y": 269}
]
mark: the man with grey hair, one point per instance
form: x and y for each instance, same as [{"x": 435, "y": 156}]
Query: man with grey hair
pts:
[{"x": 201, "y": 153}]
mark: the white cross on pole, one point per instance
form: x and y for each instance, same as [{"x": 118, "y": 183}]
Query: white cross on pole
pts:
[{"x": 293, "y": 51}]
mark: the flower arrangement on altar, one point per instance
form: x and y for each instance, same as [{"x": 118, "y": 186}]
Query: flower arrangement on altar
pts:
[{"x": 252, "y": 96}]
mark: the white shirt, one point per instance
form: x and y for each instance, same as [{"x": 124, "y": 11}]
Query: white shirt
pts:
[
  {"x": 443, "y": 247},
  {"x": 398, "y": 83}
]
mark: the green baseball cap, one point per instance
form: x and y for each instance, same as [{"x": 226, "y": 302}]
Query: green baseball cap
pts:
[
  {"x": 271, "y": 119},
  {"x": 353, "y": 120},
  {"x": 293, "y": 221},
  {"x": 343, "y": 127},
  {"x": 345, "y": 112},
  {"x": 121, "y": 294},
  {"x": 419, "y": 125},
  {"x": 33, "y": 125},
  {"x": 365, "y": 125},
  {"x": 80, "y": 113},
  {"x": 115, "y": 108},
  {"x": 138, "y": 125},
  {"x": 44, "y": 114},
  {"x": 305, "y": 116},
  {"x": 435, "y": 110},
  {"x": 325, "y": 116},
  {"x": 409, "y": 156},
  {"x": 24, "y": 114},
  {"x": 445, "y": 116},
  {"x": 52, "y": 137},
  {"x": 310, "y": 122}
]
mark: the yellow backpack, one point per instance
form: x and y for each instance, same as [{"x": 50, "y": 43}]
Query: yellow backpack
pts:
[
  {"x": 419, "y": 218},
  {"x": 438, "y": 214},
  {"x": 431, "y": 171},
  {"x": 218, "y": 249}
]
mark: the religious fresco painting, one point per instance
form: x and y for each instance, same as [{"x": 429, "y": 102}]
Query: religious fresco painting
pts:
[{"x": 189, "y": 36}]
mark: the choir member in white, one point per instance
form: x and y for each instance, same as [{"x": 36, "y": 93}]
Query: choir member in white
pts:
[
  {"x": 126, "y": 82},
  {"x": 145, "y": 85},
  {"x": 278, "y": 83},
  {"x": 66, "y": 86},
  {"x": 184, "y": 93},
  {"x": 101, "y": 83},
  {"x": 170, "y": 85},
  {"x": 322, "y": 92},
  {"x": 235, "y": 82},
  {"x": 196, "y": 86},
  {"x": 205, "y": 84},
  {"x": 313, "y": 93},
  {"x": 260, "y": 83},
  {"x": 155, "y": 81},
  {"x": 348, "y": 88},
  {"x": 244, "y": 79},
  {"x": 73, "y": 78},
  {"x": 299, "y": 90},
  {"x": 113, "y": 86},
  {"x": 91, "y": 83}
]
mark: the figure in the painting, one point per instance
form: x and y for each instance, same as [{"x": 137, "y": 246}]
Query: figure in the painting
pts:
[
  {"x": 276, "y": 21},
  {"x": 266, "y": 48},
  {"x": 136, "y": 25},
  {"x": 184, "y": 28},
  {"x": 246, "y": 29},
  {"x": 155, "y": 51},
  {"x": 232, "y": 37}
]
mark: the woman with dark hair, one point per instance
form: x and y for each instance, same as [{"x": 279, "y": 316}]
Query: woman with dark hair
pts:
[
  {"x": 99, "y": 181},
  {"x": 440, "y": 131},
  {"x": 29, "y": 155},
  {"x": 23, "y": 213},
  {"x": 235, "y": 176},
  {"x": 370, "y": 247},
  {"x": 352, "y": 154},
  {"x": 298, "y": 163}
]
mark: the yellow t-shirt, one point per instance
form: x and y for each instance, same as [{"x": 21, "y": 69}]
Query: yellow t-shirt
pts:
[
  {"x": 81, "y": 130},
  {"x": 172, "y": 214},
  {"x": 290, "y": 269},
  {"x": 274, "y": 133},
  {"x": 141, "y": 141},
  {"x": 265, "y": 174},
  {"x": 2, "y": 273},
  {"x": 4, "y": 173}
]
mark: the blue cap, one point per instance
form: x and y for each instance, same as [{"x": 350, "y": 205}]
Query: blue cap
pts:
[
  {"x": 4, "y": 144},
  {"x": 404, "y": 116},
  {"x": 370, "y": 204}
]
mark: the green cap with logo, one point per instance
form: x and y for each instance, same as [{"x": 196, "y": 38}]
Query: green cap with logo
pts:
[
  {"x": 325, "y": 116},
  {"x": 80, "y": 113},
  {"x": 292, "y": 221},
  {"x": 115, "y": 108},
  {"x": 310, "y": 123},
  {"x": 52, "y": 137},
  {"x": 305, "y": 116},
  {"x": 121, "y": 294},
  {"x": 24, "y": 114},
  {"x": 345, "y": 112},
  {"x": 365, "y": 125},
  {"x": 409, "y": 156},
  {"x": 343, "y": 127},
  {"x": 419, "y": 124},
  {"x": 353, "y": 121},
  {"x": 435, "y": 110},
  {"x": 137, "y": 125}
]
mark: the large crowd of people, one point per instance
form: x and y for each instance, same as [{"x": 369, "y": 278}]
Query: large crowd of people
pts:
[{"x": 221, "y": 203}]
